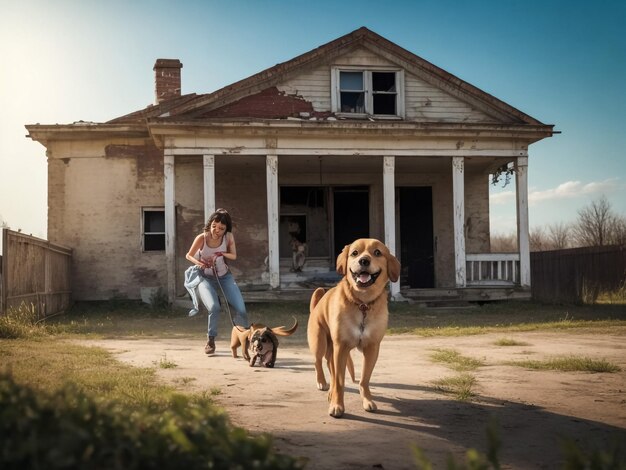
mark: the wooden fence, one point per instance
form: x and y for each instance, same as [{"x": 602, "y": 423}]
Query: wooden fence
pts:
[
  {"x": 577, "y": 274},
  {"x": 35, "y": 273}
]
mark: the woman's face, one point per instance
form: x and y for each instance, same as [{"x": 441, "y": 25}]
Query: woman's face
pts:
[{"x": 217, "y": 229}]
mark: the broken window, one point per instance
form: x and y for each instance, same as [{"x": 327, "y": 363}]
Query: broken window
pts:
[
  {"x": 153, "y": 229},
  {"x": 384, "y": 92},
  {"x": 368, "y": 92}
]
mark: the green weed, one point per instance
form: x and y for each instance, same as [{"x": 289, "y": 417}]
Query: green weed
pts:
[
  {"x": 460, "y": 386},
  {"x": 569, "y": 364},
  {"x": 454, "y": 360},
  {"x": 509, "y": 342}
]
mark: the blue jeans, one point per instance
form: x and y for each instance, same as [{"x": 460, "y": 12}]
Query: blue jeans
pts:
[{"x": 208, "y": 290}]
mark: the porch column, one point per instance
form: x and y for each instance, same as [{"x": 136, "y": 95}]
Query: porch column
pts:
[
  {"x": 170, "y": 224},
  {"x": 521, "y": 190},
  {"x": 271, "y": 169},
  {"x": 458, "y": 201},
  {"x": 208, "y": 164},
  {"x": 389, "y": 212}
]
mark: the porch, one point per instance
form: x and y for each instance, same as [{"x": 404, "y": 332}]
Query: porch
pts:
[{"x": 490, "y": 277}]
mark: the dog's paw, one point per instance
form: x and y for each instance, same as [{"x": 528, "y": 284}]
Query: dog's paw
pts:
[
  {"x": 323, "y": 387},
  {"x": 335, "y": 410},
  {"x": 369, "y": 405}
]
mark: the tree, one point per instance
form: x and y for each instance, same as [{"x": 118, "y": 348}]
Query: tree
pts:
[
  {"x": 593, "y": 227},
  {"x": 559, "y": 236},
  {"x": 538, "y": 240},
  {"x": 618, "y": 231},
  {"x": 504, "y": 243}
]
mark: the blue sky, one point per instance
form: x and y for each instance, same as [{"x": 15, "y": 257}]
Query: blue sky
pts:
[{"x": 562, "y": 62}]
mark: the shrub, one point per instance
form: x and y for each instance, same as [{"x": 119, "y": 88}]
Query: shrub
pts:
[{"x": 68, "y": 429}]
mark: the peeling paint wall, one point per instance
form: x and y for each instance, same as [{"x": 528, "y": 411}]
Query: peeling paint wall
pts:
[{"x": 95, "y": 196}]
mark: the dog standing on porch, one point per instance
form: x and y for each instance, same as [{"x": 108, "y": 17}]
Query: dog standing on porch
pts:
[{"x": 353, "y": 314}]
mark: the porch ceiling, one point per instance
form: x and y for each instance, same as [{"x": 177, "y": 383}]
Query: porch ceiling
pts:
[{"x": 352, "y": 163}]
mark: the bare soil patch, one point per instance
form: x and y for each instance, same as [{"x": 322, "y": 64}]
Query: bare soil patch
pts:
[{"x": 533, "y": 409}]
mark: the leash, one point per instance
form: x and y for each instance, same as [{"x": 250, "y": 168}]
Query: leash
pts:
[{"x": 217, "y": 278}]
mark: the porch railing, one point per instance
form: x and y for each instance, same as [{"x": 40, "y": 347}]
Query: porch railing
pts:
[{"x": 492, "y": 269}]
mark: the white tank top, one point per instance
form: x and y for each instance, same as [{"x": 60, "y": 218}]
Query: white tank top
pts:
[{"x": 206, "y": 253}]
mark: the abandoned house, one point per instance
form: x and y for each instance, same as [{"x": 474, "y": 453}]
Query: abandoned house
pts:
[{"x": 356, "y": 138}]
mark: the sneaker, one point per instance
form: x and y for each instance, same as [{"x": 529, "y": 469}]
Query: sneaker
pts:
[{"x": 209, "y": 348}]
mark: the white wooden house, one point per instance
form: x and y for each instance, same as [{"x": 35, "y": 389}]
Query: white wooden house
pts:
[{"x": 356, "y": 138}]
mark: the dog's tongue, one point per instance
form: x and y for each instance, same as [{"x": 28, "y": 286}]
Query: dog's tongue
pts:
[{"x": 364, "y": 278}]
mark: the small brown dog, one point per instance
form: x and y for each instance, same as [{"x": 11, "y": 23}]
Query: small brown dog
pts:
[
  {"x": 259, "y": 342},
  {"x": 353, "y": 314}
]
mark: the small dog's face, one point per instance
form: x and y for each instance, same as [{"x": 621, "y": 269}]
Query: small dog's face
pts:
[
  {"x": 367, "y": 262},
  {"x": 262, "y": 345}
]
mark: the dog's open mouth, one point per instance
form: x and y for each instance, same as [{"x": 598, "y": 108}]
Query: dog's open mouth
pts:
[{"x": 364, "y": 278}]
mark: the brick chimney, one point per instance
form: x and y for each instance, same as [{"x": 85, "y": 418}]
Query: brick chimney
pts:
[{"x": 166, "y": 79}]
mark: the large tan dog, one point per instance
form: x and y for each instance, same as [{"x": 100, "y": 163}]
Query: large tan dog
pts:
[
  {"x": 259, "y": 342},
  {"x": 353, "y": 314}
]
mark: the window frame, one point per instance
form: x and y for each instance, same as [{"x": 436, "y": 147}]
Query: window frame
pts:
[
  {"x": 144, "y": 211},
  {"x": 369, "y": 93}
]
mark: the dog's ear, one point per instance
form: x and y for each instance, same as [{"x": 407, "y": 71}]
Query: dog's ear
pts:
[
  {"x": 342, "y": 261},
  {"x": 393, "y": 267}
]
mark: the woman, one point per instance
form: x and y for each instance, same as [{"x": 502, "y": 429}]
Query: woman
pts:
[{"x": 209, "y": 251}]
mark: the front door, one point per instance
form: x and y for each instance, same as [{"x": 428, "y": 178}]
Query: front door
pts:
[
  {"x": 416, "y": 236},
  {"x": 351, "y": 215}
]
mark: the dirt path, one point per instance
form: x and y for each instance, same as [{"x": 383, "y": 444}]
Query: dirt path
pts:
[{"x": 532, "y": 408}]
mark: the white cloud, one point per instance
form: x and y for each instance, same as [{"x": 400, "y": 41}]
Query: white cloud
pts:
[
  {"x": 567, "y": 190},
  {"x": 502, "y": 198},
  {"x": 572, "y": 189}
]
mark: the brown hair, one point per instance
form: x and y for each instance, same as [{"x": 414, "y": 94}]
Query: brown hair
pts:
[{"x": 221, "y": 216}]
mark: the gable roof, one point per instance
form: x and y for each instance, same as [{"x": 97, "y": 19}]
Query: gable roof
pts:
[{"x": 230, "y": 101}]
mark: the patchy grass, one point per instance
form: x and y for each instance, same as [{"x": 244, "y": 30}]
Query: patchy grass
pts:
[
  {"x": 136, "y": 319},
  {"x": 504, "y": 317},
  {"x": 509, "y": 342},
  {"x": 569, "y": 364},
  {"x": 164, "y": 363},
  {"x": 461, "y": 386},
  {"x": 455, "y": 361},
  {"x": 48, "y": 365}
]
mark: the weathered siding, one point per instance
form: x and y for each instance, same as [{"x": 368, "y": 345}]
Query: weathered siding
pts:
[
  {"x": 95, "y": 208},
  {"x": 314, "y": 87},
  {"x": 424, "y": 102},
  {"x": 363, "y": 57}
]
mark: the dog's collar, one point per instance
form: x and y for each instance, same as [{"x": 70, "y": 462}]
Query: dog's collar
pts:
[{"x": 363, "y": 307}]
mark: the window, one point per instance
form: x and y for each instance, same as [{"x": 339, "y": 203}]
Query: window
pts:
[
  {"x": 153, "y": 229},
  {"x": 352, "y": 91},
  {"x": 368, "y": 92}
]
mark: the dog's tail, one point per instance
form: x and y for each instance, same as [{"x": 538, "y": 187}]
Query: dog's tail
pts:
[
  {"x": 282, "y": 331},
  {"x": 316, "y": 297}
]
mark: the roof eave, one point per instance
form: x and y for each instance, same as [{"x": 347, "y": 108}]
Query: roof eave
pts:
[
  {"x": 45, "y": 133},
  {"x": 160, "y": 129}
]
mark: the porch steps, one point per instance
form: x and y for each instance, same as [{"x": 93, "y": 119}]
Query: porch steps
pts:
[
  {"x": 436, "y": 298},
  {"x": 464, "y": 296}
]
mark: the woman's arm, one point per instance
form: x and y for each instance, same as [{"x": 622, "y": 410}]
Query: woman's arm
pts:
[
  {"x": 195, "y": 247},
  {"x": 231, "y": 248}
]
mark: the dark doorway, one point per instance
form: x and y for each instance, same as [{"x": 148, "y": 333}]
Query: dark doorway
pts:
[
  {"x": 416, "y": 236},
  {"x": 351, "y": 215}
]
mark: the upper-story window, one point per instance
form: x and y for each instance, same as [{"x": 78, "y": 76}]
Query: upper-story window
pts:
[{"x": 374, "y": 92}]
